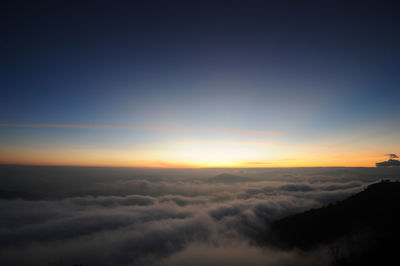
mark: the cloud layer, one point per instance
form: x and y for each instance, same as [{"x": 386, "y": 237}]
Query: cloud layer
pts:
[{"x": 167, "y": 221}]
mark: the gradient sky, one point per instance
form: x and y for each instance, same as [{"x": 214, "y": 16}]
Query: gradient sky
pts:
[{"x": 199, "y": 83}]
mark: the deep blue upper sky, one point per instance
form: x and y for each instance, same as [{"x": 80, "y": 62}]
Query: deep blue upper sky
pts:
[{"x": 308, "y": 68}]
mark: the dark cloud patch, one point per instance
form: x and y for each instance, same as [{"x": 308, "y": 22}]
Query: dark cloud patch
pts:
[
  {"x": 341, "y": 186},
  {"x": 112, "y": 201},
  {"x": 134, "y": 245},
  {"x": 223, "y": 211},
  {"x": 392, "y": 155},
  {"x": 86, "y": 223},
  {"x": 296, "y": 187},
  {"x": 229, "y": 178},
  {"x": 183, "y": 201}
]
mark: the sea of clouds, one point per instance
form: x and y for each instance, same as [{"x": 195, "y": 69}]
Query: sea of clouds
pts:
[{"x": 65, "y": 216}]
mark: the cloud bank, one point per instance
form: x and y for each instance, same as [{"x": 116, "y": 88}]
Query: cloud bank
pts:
[{"x": 167, "y": 221}]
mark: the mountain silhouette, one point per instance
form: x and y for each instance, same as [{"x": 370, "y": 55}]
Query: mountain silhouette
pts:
[
  {"x": 363, "y": 229},
  {"x": 389, "y": 163}
]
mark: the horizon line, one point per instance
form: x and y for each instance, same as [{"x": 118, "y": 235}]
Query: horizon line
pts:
[{"x": 182, "y": 167}]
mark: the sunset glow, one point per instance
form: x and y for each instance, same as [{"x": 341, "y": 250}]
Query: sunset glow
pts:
[
  {"x": 241, "y": 151},
  {"x": 242, "y": 88}
]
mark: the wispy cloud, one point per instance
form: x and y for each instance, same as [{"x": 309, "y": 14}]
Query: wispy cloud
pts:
[{"x": 145, "y": 127}]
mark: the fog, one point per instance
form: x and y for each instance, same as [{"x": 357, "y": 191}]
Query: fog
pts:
[{"x": 127, "y": 216}]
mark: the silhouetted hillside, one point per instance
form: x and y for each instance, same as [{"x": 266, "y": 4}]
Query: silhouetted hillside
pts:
[{"x": 364, "y": 229}]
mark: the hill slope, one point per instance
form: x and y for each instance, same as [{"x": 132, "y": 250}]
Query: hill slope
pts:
[{"x": 369, "y": 222}]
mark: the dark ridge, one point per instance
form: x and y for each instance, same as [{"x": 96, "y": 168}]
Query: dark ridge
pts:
[
  {"x": 389, "y": 163},
  {"x": 365, "y": 227}
]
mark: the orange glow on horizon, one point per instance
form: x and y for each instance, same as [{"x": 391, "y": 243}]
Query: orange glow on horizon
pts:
[
  {"x": 195, "y": 154},
  {"x": 176, "y": 164}
]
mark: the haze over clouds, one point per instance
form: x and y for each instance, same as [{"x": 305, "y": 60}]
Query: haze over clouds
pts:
[{"x": 162, "y": 217}]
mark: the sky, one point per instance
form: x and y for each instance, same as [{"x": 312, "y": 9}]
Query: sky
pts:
[{"x": 199, "y": 83}]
